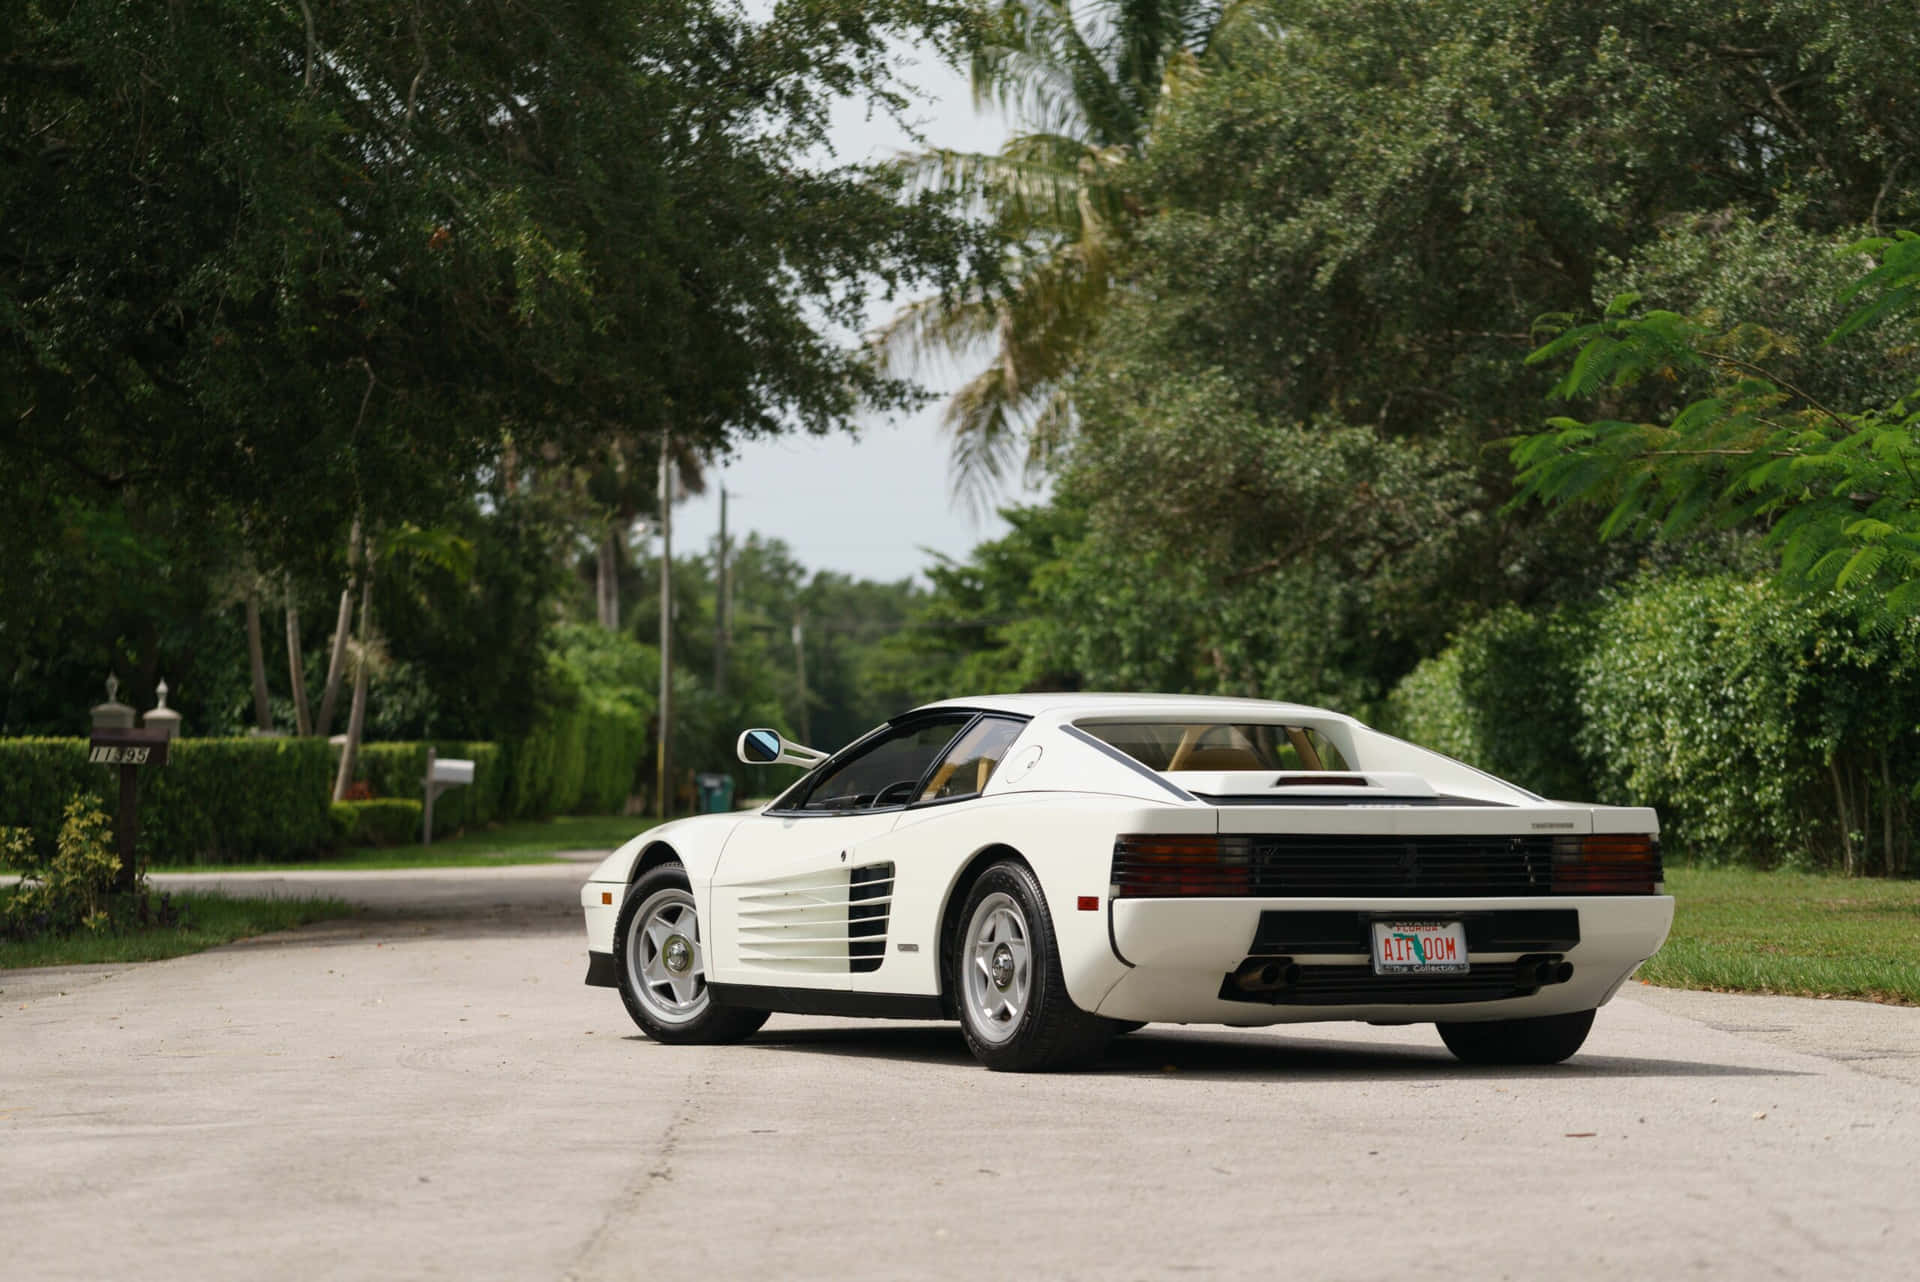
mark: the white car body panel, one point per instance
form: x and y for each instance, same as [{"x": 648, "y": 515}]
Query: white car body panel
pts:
[
  {"x": 780, "y": 897},
  {"x": 774, "y": 892}
]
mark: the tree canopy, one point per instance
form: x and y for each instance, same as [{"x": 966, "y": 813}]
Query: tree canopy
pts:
[
  {"x": 1835, "y": 484},
  {"x": 1287, "y": 445},
  {"x": 272, "y": 268}
]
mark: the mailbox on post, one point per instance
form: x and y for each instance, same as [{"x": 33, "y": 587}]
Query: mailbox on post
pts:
[
  {"x": 131, "y": 750},
  {"x": 442, "y": 774}
]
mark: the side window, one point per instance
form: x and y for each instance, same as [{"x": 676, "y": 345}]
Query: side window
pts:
[
  {"x": 886, "y": 771},
  {"x": 971, "y": 760}
]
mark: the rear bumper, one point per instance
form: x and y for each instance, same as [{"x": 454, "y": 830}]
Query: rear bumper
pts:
[{"x": 1182, "y": 953}]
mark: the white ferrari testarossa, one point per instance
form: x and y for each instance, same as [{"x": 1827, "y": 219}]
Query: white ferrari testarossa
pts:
[{"x": 1053, "y": 869}]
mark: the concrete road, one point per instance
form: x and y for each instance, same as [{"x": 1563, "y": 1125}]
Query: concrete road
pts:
[{"x": 429, "y": 1091}]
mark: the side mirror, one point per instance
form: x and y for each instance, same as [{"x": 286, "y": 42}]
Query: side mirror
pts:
[
  {"x": 759, "y": 747},
  {"x": 767, "y": 748}
]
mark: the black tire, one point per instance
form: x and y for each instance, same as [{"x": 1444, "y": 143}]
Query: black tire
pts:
[
  {"x": 1544, "y": 1039},
  {"x": 1013, "y": 1003},
  {"x": 659, "y": 957}
]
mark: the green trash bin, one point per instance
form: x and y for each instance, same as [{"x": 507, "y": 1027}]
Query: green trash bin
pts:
[{"x": 716, "y": 793}]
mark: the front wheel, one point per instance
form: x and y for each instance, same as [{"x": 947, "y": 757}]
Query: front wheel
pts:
[
  {"x": 663, "y": 969},
  {"x": 1014, "y": 1008},
  {"x": 1544, "y": 1039}
]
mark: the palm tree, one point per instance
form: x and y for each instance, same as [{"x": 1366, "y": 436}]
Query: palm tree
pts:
[{"x": 1082, "y": 88}]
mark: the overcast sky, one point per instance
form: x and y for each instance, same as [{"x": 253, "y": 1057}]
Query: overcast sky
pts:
[{"x": 863, "y": 505}]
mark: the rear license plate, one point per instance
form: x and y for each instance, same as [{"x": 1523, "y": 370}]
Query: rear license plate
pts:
[{"x": 1426, "y": 946}]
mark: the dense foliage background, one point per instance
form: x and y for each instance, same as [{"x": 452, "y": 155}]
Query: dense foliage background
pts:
[{"x": 1537, "y": 379}]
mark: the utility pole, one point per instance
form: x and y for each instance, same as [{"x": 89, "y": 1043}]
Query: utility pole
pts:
[
  {"x": 800, "y": 667},
  {"x": 663, "y": 781},
  {"x": 723, "y": 601}
]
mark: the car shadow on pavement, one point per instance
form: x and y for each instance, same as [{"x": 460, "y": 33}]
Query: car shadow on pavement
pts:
[{"x": 1232, "y": 1055}]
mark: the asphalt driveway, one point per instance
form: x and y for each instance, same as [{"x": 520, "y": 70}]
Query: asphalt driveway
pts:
[{"x": 428, "y": 1090}]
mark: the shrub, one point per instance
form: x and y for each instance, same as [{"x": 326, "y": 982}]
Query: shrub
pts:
[
  {"x": 345, "y": 816},
  {"x": 1766, "y": 727},
  {"x": 400, "y": 770},
  {"x": 75, "y": 888},
  {"x": 386, "y": 821},
  {"x": 614, "y": 741},
  {"x": 582, "y": 752},
  {"x": 1503, "y": 697}
]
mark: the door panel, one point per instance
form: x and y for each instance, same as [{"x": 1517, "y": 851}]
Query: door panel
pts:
[{"x": 794, "y": 904}]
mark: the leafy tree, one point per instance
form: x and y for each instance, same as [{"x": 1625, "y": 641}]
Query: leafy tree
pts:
[
  {"x": 1083, "y": 82},
  {"x": 274, "y": 270},
  {"x": 989, "y": 624},
  {"x": 1835, "y": 486},
  {"x": 1288, "y": 417}
]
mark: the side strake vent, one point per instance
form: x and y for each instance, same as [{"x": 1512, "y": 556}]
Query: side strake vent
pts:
[
  {"x": 869, "y": 904},
  {"x": 819, "y": 923}
]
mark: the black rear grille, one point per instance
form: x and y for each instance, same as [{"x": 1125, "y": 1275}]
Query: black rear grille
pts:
[
  {"x": 1295, "y": 864},
  {"x": 1359, "y": 986}
]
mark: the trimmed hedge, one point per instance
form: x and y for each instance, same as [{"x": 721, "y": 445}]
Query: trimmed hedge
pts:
[
  {"x": 220, "y": 800},
  {"x": 580, "y": 757},
  {"x": 228, "y": 800},
  {"x": 1503, "y": 697},
  {"x": 37, "y": 779},
  {"x": 386, "y": 821},
  {"x": 580, "y": 760},
  {"x": 400, "y": 770},
  {"x": 215, "y": 800},
  {"x": 1766, "y": 728}
]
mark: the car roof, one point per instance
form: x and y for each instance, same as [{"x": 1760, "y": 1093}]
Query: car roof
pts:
[{"x": 1156, "y": 707}]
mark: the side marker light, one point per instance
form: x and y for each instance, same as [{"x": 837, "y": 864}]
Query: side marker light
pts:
[
  {"x": 1089, "y": 903},
  {"x": 606, "y": 896}
]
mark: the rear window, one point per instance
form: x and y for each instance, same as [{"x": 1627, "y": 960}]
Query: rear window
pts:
[{"x": 1214, "y": 745}]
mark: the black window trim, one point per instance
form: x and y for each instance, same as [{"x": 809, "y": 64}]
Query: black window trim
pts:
[{"x": 965, "y": 719}]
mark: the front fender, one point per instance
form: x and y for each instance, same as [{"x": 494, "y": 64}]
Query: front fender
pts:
[{"x": 695, "y": 840}]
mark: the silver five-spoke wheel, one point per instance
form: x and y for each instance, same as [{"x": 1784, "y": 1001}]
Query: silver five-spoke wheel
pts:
[
  {"x": 1004, "y": 972},
  {"x": 999, "y": 974},
  {"x": 665, "y": 965}
]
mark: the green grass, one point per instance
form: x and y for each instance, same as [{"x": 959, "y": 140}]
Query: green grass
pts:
[
  {"x": 206, "y": 919},
  {"x": 1735, "y": 930},
  {"x": 517, "y": 843}
]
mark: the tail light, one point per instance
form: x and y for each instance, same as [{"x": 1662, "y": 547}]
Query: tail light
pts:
[
  {"x": 1154, "y": 866},
  {"x": 1606, "y": 864}
]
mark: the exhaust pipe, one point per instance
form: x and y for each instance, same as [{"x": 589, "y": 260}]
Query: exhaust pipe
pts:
[
  {"x": 1551, "y": 971},
  {"x": 1266, "y": 974}
]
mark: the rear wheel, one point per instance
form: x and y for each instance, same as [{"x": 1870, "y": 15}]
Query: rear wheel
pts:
[
  {"x": 662, "y": 965},
  {"x": 1544, "y": 1039},
  {"x": 1014, "y": 1008}
]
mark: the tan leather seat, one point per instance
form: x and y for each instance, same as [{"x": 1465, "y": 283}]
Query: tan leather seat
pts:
[{"x": 1222, "y": 759}]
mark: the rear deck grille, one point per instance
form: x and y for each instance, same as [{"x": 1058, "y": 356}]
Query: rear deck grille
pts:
[
  {"x": 1291, "y": 865},
  {"x": 1354, "y": 866}
]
